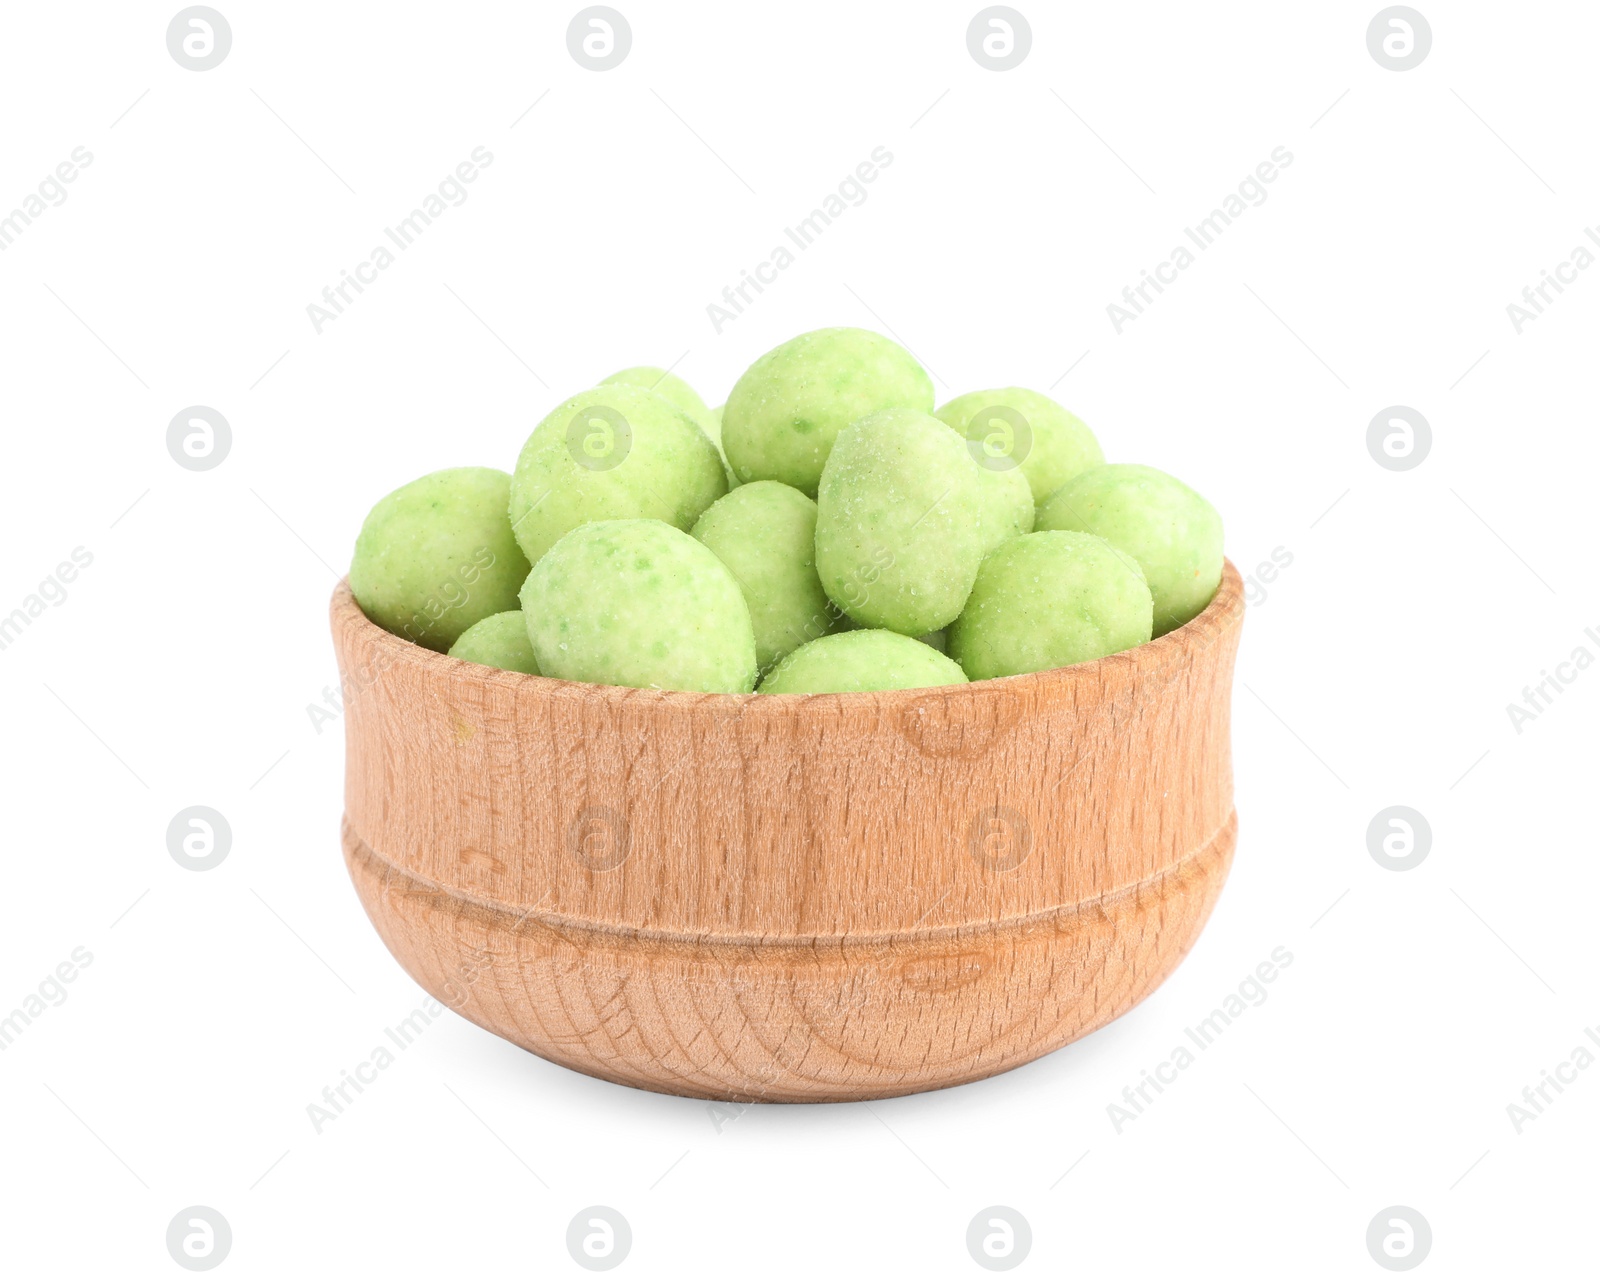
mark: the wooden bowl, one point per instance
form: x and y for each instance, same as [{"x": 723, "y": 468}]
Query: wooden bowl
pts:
[{"x": 792, "y": 898}]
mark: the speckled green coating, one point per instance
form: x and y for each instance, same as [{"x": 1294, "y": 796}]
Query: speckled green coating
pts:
[
  {"x": 1174, "y": 532},
  {"x": 500, "y": 641},
  {"x": 900, "y": 528},
  {"x": 637, "y": 604},
  {"x": 766, "y": 534},
  {"x": 438, "y": 555},
  {"x": 783, "y": 415},
  {"x": 1056, "y": 447},
  {"x": 862, "y": 661},
  {"x": 569, "y": 473},
  {"x": 1050, "y": 599}
]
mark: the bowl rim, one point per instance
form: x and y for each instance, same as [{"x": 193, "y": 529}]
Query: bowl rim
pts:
[{"x": 1216, "y": 619}]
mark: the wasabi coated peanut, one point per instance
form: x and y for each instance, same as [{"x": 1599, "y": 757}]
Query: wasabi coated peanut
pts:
[
  {"x": 1006, "y": 504},
  {"x": 1050, "y": 599},
  {"x": 766, "y": 534},
  {"x": 438, "y": 555},
  {"x": 500, "y": 641},
  {"x": 612, "y": 452},
  {"x": 862, "y": 661},
  {"x": 783, "y": 415},
  {"x": 669, "y": 386},
  {"x": 679, "y": 393},
  {"x": 637, "y": 604},
  {"x": 1048, "y": 443},
  {"x": 1174, "y": 532},
  {"x": 900, "y": 522}
]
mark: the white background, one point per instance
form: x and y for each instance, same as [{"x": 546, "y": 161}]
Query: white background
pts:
[{"x": 1376, "y": 671}]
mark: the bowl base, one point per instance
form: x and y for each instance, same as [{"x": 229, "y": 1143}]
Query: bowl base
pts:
[{"x": 797, "y": 1019}]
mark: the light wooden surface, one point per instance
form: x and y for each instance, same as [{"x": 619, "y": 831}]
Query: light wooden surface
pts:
[{"x": 790, "y": 898}]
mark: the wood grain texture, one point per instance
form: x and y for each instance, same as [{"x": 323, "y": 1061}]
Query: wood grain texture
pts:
[{"x": 791, "y": 898}]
